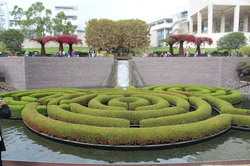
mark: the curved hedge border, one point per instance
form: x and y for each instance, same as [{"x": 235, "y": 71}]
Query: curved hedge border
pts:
[{"x": 148, "y": 117}]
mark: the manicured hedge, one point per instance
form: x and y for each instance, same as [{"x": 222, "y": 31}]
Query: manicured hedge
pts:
[
  {"x": 130, "y": 115},
  {"x": 203, "y": 111},
  {"x": 123, "y": 136},
  {"x": 58, "y": 113},
  {"x": 136, "y": 116}
]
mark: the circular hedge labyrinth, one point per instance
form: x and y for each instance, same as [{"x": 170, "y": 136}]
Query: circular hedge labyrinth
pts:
[{"x": 137, "y": 117}]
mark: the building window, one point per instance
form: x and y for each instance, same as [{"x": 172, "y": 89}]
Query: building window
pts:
[
  {"x": 65, "y": 8},
  {"x": 71, "y": 17}
]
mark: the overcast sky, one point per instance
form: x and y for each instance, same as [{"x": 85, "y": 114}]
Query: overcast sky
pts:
[{"x": 148, "y": 10}]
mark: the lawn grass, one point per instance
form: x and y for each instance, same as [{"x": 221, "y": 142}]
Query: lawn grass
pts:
[
  {"x": 54, "y": 50},
  {"x": 176, "y": 50}
]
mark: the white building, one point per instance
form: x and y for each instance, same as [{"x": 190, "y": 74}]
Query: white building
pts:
[
  {"x": 4, "y": 15},
  {"x": 160, "y": 29},
  {"x": 215, "y": 18},
  {"x": 71, "y": 13}
]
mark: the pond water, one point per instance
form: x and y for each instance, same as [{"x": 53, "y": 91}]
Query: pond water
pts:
[{"x": 24, "y": 145}]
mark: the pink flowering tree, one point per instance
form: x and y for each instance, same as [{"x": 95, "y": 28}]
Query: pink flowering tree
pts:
[
  {"x": 202, "y": 40},
  {"x": 181, "y": 38},
  {"x": 67, "y": 39},
  {"x": 43, "y": 41}
]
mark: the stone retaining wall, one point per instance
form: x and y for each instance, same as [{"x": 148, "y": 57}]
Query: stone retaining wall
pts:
[
  {"x": 43, "y": 72},
  {"x": 213, "y": 71},
  {"x": 13, "y": 70}
]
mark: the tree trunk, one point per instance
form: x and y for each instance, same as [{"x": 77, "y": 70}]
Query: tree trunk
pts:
[
  {"x": 171, "y": 49},
  {"x": 181, "y": 49},
  {"x": 198, "y": 49},
  {"x": 70, "y": 49},
  {"x": 43, "y": 51},
  {"x": 60, "y": 48}
]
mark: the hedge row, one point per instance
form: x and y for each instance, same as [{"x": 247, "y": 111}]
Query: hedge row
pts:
[
  {"x": 231, "y": 96},
  {"x": 203, "y": 111},
  {"x": 58, "y": 113},
  {"x": 124, "y": 136},
  {"x": 129, "y": 115}
]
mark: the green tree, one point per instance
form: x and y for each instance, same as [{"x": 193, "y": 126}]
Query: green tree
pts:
[
  {"x": 61, "y": 25},
  {"x": 3, "y": 47},
  {"x": 101, "y": 34},
  {"x": 13, "y": 39},
  {"x": 133, "y": 34},
  {"x": 123, "y": 35},
  {"x": 35, "y": 21},
  {"x": 232, "y": 42}
]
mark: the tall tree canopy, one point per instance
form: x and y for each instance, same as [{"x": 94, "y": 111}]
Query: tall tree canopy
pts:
[
  {"x": 108, "y": 35},
  {"x": 35, "y": 21},
  {"x": 61, "y": 25}
]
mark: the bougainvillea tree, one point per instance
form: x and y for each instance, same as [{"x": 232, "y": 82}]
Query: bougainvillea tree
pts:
[
  {"x": 202, "y": 40},
  {"x": 43, "y": 41},
  {"x": 170, "y": 42},
  {"x": 67, "y": 39},
  {"x": 181, "y": 38}
]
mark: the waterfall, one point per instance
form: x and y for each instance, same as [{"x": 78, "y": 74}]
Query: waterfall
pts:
[{"x": 123, "y": 74}]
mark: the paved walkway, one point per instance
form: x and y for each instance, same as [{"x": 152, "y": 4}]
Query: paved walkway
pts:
[{"x": 218, "y": 163}]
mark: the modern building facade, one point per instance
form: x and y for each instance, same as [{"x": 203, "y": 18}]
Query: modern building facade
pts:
[
  {"x": 216, "y": 18},
  {"x": 71, "y": 13},
  {"x": 4, "y": 15},
  {"x": 159, "y": 30},
  {"x": 162, "y": 28}
]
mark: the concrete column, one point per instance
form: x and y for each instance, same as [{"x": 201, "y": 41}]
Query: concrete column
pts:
[
  {"x": 164, "y": 36},
  {"x": 199, "y": 23},
  {"x": 191, "y": 24},
  {"x": 165, "y": 33},
  {"x": 210, "y": 18},
  {"x": 236, "y": 18},
  {"x": 245, "y": 26},
  {"x": 222, "y": 23}
]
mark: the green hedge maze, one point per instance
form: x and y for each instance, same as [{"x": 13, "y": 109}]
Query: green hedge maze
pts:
[{"x": 137, "y": 117}]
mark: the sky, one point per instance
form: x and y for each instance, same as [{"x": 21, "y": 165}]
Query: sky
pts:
[{"x": 147, "y": 10}]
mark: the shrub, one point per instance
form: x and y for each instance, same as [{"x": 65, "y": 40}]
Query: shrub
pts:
[
  {"x": 243, "y": 70},
  {"x": 108, "y": 116},
  {"x": 57, "y": 113},
  {"x": 203, "y": 111},
  {"x": 13, "y": 39},
  {"x": 232, "y": 41},
  {"x": 123, "y": 136},
  {"x": 245, "y": 50}
]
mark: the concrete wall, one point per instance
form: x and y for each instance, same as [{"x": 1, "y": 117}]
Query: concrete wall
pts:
[
  {"x": 42, "y": 72},
  {"x": 67, "y": 72},
  {"x": 13, "y": 69},
  {"x": 214, "y": 71}
]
